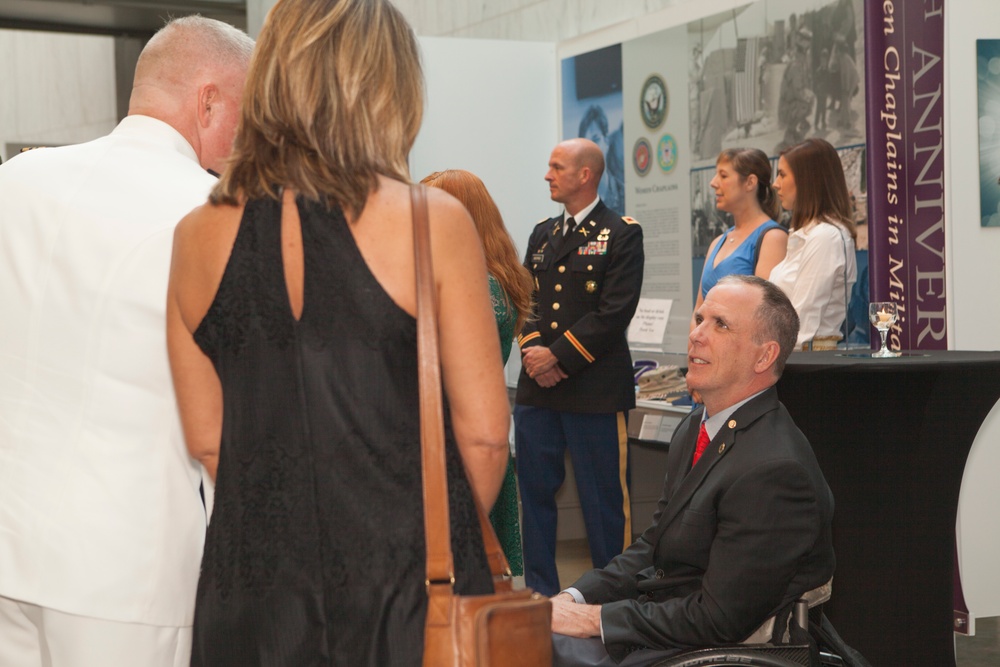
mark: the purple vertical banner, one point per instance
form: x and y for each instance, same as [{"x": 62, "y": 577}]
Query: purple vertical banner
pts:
[{"x": 904, "y": 49}]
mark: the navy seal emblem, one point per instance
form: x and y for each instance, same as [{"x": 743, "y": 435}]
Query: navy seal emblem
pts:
[{"x": 653, "y": 102}]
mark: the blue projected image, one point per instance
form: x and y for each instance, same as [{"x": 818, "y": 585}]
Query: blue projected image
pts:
[{"x": 988, "y": 72}]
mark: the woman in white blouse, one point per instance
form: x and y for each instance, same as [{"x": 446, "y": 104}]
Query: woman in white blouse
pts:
[{"x": 819, "y": 268}]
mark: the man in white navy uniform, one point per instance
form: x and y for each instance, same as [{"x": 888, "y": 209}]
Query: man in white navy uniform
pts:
[{"x": 101, "y": 520}]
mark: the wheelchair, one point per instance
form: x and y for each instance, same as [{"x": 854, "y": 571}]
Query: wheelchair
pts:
[{"x": 810, "y": 640}]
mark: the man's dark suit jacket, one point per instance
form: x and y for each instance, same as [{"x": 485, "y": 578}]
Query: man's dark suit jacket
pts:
[
  {"x": 587, "y": 288},
  {"x": 738, "y": 538}
]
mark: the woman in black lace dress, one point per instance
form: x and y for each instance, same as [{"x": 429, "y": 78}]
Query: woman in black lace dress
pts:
[{"x": 293, "y": 345}]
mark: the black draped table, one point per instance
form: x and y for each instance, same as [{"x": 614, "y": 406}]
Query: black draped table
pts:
[{"x": 892, "y": 437}]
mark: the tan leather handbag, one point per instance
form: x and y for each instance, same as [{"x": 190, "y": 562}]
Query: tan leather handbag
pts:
[{"x": 510, "y": 628}]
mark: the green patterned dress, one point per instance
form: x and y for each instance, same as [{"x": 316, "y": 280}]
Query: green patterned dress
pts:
[{"x": 504, "y": 516}]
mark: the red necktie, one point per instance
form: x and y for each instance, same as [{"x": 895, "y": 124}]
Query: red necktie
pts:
[{"x": 702, "y": 443}]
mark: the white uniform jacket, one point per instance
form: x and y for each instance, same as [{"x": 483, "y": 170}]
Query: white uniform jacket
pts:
[{"x": 100, "y": 513}]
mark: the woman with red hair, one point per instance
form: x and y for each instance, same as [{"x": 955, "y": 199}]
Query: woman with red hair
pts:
[{"x": 510, "y": 292}]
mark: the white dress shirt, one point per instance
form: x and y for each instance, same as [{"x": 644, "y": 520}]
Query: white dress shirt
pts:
[
  {"x": 580, "y": 216},
  {"x": 817, "y": 274},
  {"x": 100, "y": 513}
]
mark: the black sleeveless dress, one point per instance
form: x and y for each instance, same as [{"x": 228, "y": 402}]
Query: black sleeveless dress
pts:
[{"x": 315, "y": 551}]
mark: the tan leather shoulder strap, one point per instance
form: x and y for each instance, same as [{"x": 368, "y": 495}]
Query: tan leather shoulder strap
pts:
[{"x": 440, "y": 564}]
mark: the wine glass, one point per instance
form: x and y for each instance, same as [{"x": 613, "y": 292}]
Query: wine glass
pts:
[{"x": 882, "y": 315}]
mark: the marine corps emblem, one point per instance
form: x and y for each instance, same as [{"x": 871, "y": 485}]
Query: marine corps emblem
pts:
[{"x": 642, "y": 156}]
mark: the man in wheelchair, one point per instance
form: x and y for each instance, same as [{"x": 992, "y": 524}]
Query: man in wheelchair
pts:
[{"x": 742, "y": 529}]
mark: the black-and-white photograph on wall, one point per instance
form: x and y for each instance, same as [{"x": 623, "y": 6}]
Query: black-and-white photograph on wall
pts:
[
  {"x": 707, "y": 222},
  {"x": 774, "y": 73}
]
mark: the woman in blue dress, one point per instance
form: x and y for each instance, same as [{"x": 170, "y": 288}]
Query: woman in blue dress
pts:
[
  {"x": 510, "y": 292},
  {"x": 755, "y": 243}
]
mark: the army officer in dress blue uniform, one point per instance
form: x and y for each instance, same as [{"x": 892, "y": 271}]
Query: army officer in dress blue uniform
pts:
[{"x": 576, "y": 382}]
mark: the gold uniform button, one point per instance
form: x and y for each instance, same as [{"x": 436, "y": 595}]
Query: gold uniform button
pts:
[
  {"x": 732, "y": 423},
  {"x": 562, "y": 269},
  {"x": 559, "y": 288},
  {"x": 554, "y": 325},
  {"x": 555, "y": 306},
  {"x": 590, "y": 267}
]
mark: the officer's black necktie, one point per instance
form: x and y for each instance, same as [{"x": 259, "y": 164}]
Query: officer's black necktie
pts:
[{"x": 561, "y": 239}]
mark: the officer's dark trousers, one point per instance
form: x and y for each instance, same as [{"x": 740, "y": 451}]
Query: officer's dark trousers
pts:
[{"x": 598, "y": 449}]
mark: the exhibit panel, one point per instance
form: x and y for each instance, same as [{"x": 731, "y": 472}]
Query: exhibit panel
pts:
[{"x": 765, "y": 75}]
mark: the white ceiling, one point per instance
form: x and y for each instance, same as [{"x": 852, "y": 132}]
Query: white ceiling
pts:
[{"x": 138, "y": 18}]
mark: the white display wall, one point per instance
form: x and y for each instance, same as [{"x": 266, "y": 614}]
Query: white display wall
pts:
[
  {"x": 973, "y": 271},
  {"x": 491, "y": 110}
]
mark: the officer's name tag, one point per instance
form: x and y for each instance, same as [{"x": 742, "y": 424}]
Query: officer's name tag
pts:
[
  {"x": 593, "y": 248},
  {"x": 538, "y": 257}
]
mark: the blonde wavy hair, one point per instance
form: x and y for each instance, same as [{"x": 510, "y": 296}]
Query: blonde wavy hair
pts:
[
  {"x": 502, "y": 261},
  {"x": 334, "y": 98}
]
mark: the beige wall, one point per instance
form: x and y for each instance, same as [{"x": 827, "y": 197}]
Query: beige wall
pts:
[
  {"x": 522, "y": 20},
  {"x": 529, "y": 20},
  {"x": 55, "y": 88}
]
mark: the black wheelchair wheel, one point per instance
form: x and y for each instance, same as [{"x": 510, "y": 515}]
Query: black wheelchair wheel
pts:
[{"x": 722, "y": 657}]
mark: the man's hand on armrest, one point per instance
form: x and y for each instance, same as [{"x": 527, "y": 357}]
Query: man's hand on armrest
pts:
[{"x": 575, "y": 620}]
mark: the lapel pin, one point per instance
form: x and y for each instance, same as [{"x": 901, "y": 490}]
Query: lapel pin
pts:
[
  {"x": 722, "y": 448},
  {"x": 732, "y": 423}
]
